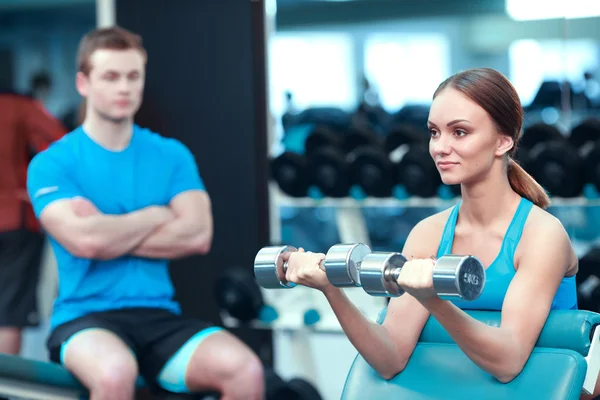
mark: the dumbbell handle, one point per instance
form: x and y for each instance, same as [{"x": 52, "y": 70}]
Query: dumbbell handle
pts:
[
  {"x": 321, "y": 266},
  {"x": 453, "y": 275},
  {"x": 393, "y": 274}
]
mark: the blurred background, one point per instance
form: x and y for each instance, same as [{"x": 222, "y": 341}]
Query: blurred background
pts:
[{"x": 330, "y": 111}]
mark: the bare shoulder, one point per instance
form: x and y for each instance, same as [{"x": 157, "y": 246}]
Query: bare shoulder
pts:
[
  {"x": 544, "y": 232},
  {"x": 424, "y": 239}
]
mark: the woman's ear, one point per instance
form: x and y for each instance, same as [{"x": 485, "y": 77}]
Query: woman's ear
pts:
[{"x": 505, "y": 144}]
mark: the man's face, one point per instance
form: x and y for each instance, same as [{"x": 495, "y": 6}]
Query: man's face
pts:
[{"x": 115, "y": 85}]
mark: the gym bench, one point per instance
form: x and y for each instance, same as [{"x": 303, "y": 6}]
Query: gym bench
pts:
[{"x": 564, "y": 362}]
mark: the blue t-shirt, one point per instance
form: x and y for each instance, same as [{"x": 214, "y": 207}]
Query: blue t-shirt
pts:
[{"x": 152, "y": 170}]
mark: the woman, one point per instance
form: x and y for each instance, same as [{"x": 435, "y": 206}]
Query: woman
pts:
[{"x": 475, "y": 121}]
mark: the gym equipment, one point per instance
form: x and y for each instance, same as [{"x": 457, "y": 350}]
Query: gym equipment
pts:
[
  {"x": 372, "y": 170},
  {"x": 565, "y": 360},
  {"x": 588, "y": 280},
  {"x": 341, "y": 264},
  {"x": 331, "y": 117},
  {"x": 289, "y": 170},
  {"x": 585, "y": 137},
  {"x": 38, "y": 380},
  {"x": 329, "y": 171},
  {"x": 417, "y": 172},
  {"x": 549, "y": 95},
  {"x": 415, "y": 115},
  {"x": 400, "y": 135},
  {"x": 357, "y": 137},
  {"x": 556, "y": 166},
  {"x": 591, "y": 163},
  {"x": 323, "y": 136},
  {"x": 453, "y": 275},
  {"x": 297, "y": 389},
  {"x": 539, "y": 133},
  {"x": 414, "y": 168},
  {"x": 586, "y": 132},
  {"x": 237, "y": 293}
]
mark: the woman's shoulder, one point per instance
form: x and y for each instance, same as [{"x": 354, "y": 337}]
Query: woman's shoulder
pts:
[{"x": 543, "y": 230}]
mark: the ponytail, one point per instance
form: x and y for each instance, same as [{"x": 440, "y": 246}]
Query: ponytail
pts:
[{"x": 527, "y": 187}]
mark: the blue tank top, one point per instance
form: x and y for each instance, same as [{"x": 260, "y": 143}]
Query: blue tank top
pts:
[{"x": 501, "y": 271}]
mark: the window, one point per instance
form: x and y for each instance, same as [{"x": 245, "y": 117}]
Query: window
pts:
[
  {"x": 317, "y": 68},
  {"x": 406, "y": 68},
  {"x": 533, "y": 61}
]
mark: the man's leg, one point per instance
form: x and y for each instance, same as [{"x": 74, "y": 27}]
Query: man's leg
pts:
[
  {"x": 185, "y": 355},
  {"x": 20, "y": 256},
  {"x": 224, "y": 362},
  {"x": 103, "y": 363},
  {"x": 98, "y": 351},
  {"x": 10, "y": 340}
]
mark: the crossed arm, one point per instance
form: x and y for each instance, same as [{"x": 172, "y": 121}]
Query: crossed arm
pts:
[{"x": 183, "y": 228}]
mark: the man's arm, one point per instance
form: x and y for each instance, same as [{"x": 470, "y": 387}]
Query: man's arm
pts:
[
  {"x": 190, "y": 232},
  {"x": 83, "y": 231},
  {"x": 100, "y": 236}
]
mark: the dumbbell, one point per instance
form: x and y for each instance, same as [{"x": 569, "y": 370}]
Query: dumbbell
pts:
[
  {"x": 454, "y": 276},
  {"x": 289, "y": 171},
  {"x": 342, "y": 265}
]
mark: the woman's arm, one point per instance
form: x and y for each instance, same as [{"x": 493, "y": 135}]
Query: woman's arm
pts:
[
  {"x": 503, "y": 351},
  {"x": 385, "y": 347}
]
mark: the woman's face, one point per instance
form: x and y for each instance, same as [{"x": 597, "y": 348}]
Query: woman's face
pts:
[{"x": 464, "y": 142}]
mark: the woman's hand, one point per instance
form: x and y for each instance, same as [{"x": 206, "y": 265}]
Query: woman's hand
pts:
[
  {"x": 416, "y": 278},
  {"x": 304, "y": 269}
]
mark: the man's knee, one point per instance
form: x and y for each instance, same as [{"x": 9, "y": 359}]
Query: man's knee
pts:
[
  {"x": 115, "y": 379},
  {"x": 227, "y": 363}
]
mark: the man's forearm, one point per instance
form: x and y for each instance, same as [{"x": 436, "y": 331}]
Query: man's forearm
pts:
[
  {"x": 112, "y": 236},
  {"x": 178, "y": 238}
]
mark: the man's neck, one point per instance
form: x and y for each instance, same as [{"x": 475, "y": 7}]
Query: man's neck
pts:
[{"x": 111, "y": 135}]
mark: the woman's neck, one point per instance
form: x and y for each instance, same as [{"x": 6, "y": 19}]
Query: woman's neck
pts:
[{"x": 488, "y": 200}]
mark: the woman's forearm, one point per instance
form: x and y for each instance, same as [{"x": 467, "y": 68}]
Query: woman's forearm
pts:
[
  {"x": 493, "y": 349},
  {"x": 370, "y": 339}
]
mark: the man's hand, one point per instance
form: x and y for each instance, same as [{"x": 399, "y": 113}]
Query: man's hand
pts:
[{"x": 190, "y": 232}]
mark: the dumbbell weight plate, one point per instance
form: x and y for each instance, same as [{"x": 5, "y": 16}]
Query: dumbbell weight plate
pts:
[
  {"x": 374, "y": 274},
  {"x": 586, "y": 132},
  {"x": 269, "y": 268},
  {"x": 289, "y": 171},
  {"x": 343, "y": 263},
  {"x": 540, "y": 133},
  {"x": 237, "y": 293},
  {"x": 329, "y": 170},
  {"x": 418, "y": 173},
  {"x": 372, "y": 170},
  {"x": 321, "y": 137},
  {"x": 591, "y": 162},
  {"x": 459, "y": 275}
]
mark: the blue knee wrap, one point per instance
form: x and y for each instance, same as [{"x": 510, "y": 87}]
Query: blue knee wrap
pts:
[{"x": 172, "y": 376}]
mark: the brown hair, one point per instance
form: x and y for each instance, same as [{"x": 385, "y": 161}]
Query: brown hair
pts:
[
  {"x": 113, "y": 38},
  {"x": 497, "y": 96}
]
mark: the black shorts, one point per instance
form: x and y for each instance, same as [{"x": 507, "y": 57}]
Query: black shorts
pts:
[
  {"x": 20, "y": 259},
  {"x": 154, "y": 335}
]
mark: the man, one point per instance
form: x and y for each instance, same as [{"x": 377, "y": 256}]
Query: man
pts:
[
  {"x": 25, "y": 128},
  {"x": 117, "y": 201}
]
